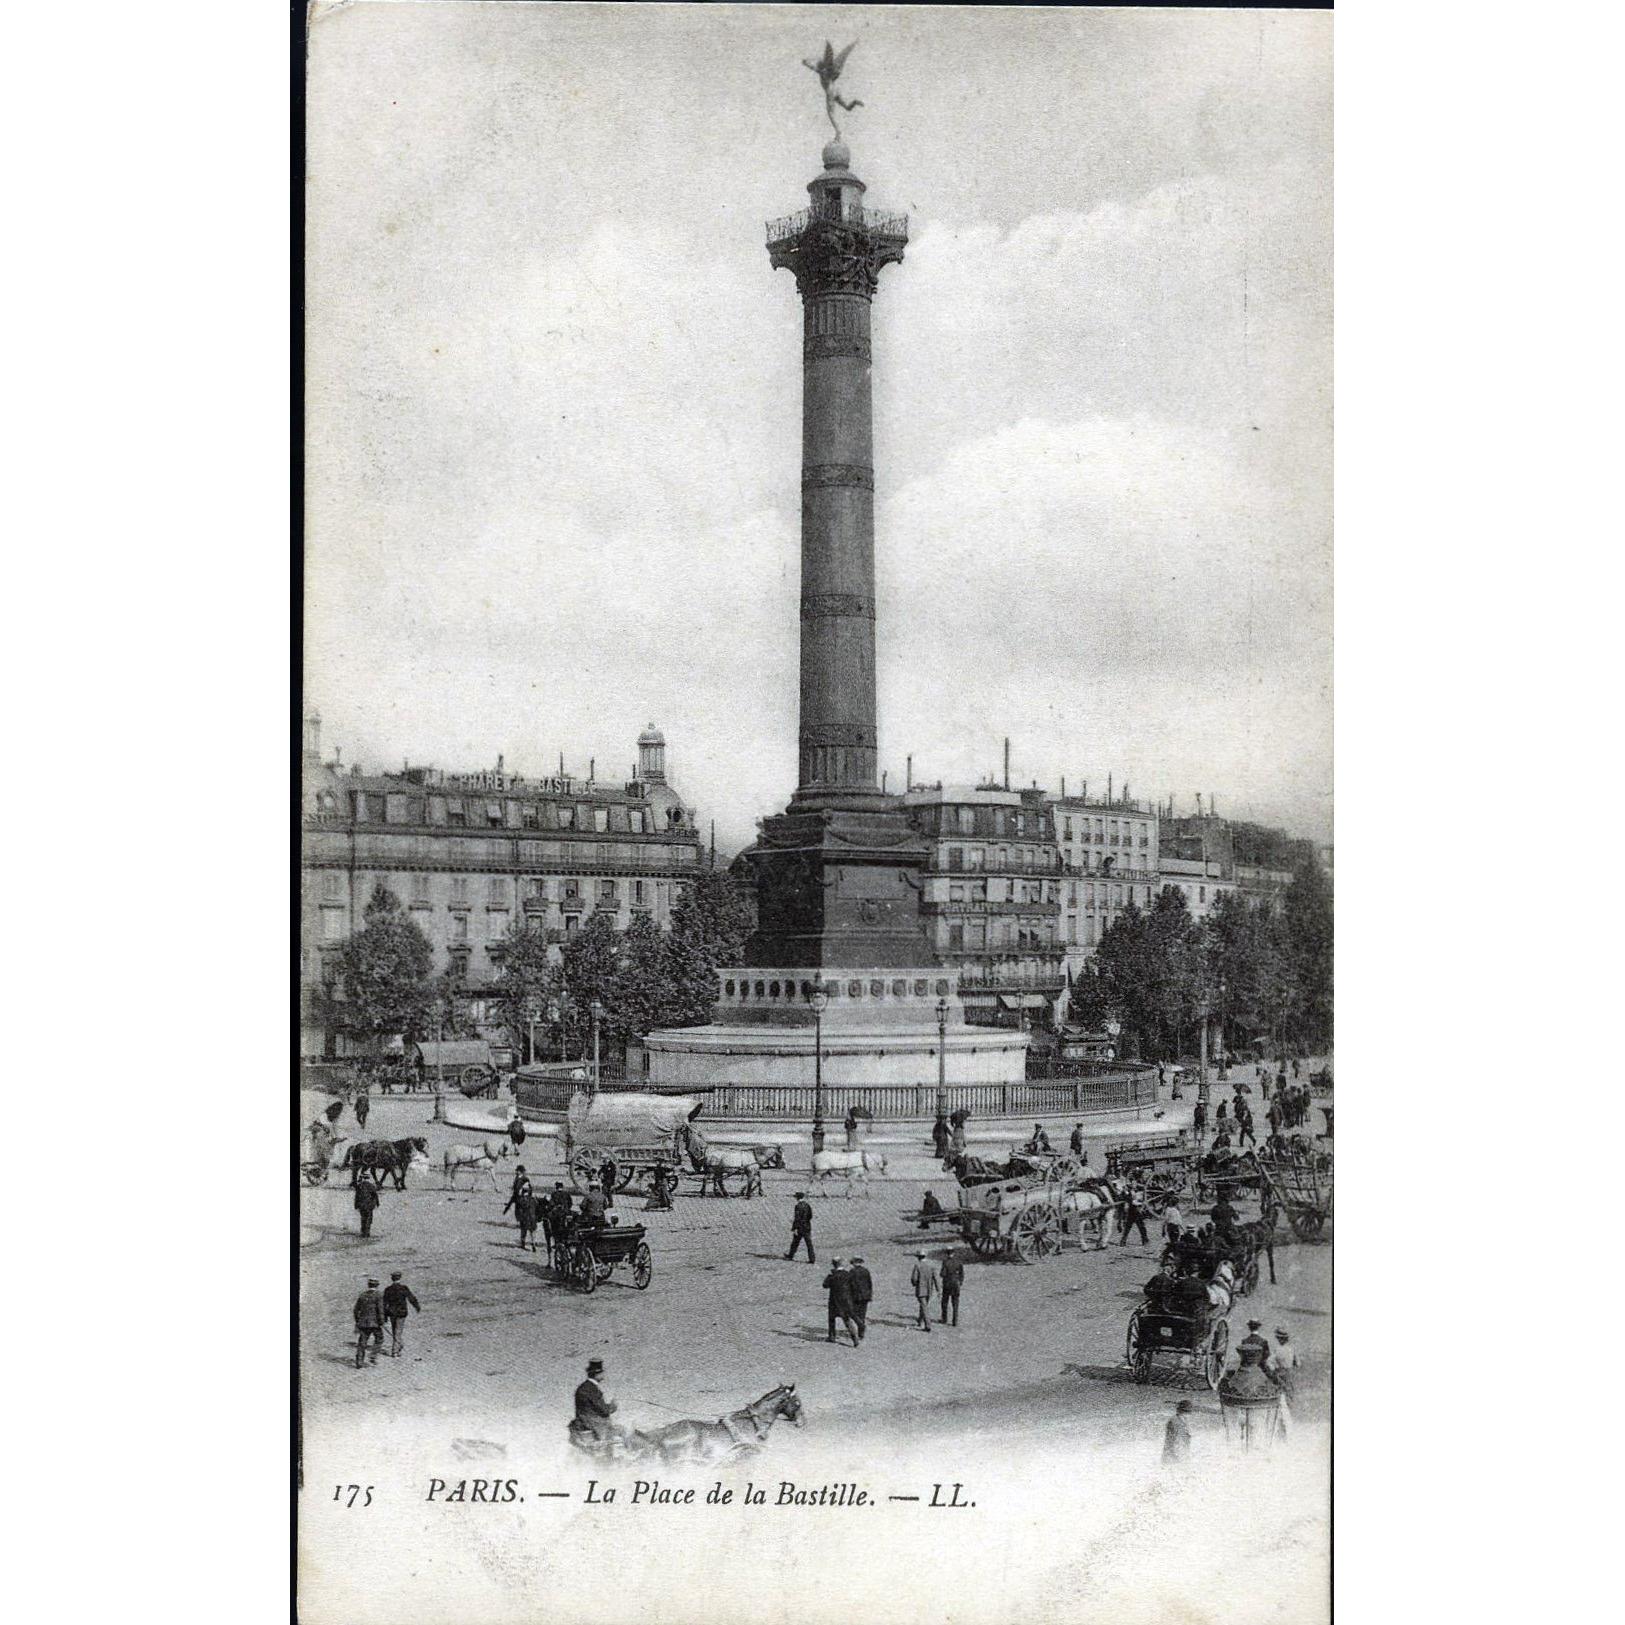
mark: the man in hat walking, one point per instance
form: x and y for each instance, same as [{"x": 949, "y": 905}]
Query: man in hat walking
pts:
[
  {"x": 369, "y": 1324},
  {"x": 397, "y": 1299},
  {"x": 953, "y": 1277},
  {"x": 1176, "y": 1437},
  {"x": 863, "y": 1292},
  {"x": 363, "y": 1105},
  {"x": 593, "y": 1409},
  {"x": 801, "y": 1228},
  {"x": 924, "y": 1281},
  {"x": 1133, "y": 1215},
  {"x": 366, "y": 1201},
  {"x": 839, "y": 1285}
]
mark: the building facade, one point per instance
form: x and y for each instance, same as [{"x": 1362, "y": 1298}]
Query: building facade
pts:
[
  {"x": 1109, "y": 853},
  {"x": 468, "y": 854},
  {"x": 992, "y": 897}
]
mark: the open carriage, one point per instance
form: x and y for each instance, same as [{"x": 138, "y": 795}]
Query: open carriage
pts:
[
  {"x": 1193, "y": 1343},
  {"x": 590, "y": 1254}
]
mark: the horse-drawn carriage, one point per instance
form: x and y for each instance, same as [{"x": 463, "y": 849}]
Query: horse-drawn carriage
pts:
[
  {"x": 589, "y": 1254},
  {"x": 1028, "y": 1207},
  {"x": 1227, "y": 1174},
  {"x": 1161, "y": 1164},
  {"x": 626, "y": 1138},
  {"x": 1197, "y": 1342},
  {"x": 467, "y": 1064},
  {"x": 316, "y": 1148},
  {"x": 1302, "y": 1189}
]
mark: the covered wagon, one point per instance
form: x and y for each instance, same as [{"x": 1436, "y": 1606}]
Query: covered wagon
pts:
[
  {"x": 467, "y": 1064},
  {"x": 625, "y": 1137}
]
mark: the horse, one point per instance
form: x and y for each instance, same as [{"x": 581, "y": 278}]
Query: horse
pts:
[
  {"x": 716, "y": 1164},
  {"x": 850, "y": 1165},
  {"x": 391, "y": 1157},
  {"x": 694, "y": 1443},
  {"x": 474, "y": 1158}
]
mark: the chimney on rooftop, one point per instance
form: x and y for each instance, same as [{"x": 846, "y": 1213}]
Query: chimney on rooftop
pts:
[
  {"x": 909, "y": 774},
  {"x": 1007, "y": 761}
]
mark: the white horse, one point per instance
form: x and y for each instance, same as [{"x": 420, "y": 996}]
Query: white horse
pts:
[
  {"x": 1221, "y": 1290},
  {"x": 475, "y": 1158},
  {"x": 849, "y": 1165}
]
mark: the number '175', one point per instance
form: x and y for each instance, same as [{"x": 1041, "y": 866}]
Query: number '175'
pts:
[{"x": 341, "y": 1491}]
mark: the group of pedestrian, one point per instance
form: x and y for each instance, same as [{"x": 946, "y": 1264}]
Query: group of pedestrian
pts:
[
  {"x": 373, "y": 1309},
  {"x": 1289, "y": 1106},
  {"x": 551, "y": 1212},
  {"x": 851, "y": 1288}
]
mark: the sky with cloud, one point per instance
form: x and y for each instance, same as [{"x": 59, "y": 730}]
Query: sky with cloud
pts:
[{"x": 553, "y": 392}]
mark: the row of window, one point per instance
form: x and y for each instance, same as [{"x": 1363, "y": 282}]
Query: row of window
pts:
[
  {"x": 974, "y": 935},
  {"x": 994, "y": 821},
  {"x": 497, "y": 889},
  {"x": 1002, "y": 891},
  {"x": 1104, "y": 831},
  {"x": 478, "y": 812},
  {"x": 1001, "y": 857}
]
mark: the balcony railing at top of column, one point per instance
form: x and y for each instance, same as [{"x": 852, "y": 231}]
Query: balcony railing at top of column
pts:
[{"x": 872, "y": 220}]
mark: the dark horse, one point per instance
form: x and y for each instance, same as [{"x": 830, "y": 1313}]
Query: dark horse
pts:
[
  {"x": 705, "y": 1444},
  {"x": 381, "y": 1157}
]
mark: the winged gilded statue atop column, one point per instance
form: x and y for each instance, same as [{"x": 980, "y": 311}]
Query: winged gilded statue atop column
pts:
[{"x": 828, "y": 69}]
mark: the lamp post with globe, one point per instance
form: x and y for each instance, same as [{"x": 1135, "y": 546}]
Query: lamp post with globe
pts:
[
  {"x": 942, "y": 1057},
  {"x": 819, "y": 1000}
]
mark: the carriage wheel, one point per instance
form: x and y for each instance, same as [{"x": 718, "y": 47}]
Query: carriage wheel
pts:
[
  {"x": 643, "y": 1266},
  {"x": 585, "y": 1269},
  {"x": 983, "y": 1240},
  {"x": 1160, "y": 1190},
  {"x": 1036, "y": 1233},
  {"x": 584, "y": 1166},
  {"x": 1131, "y": 1343},
  {"x": 1068, "y": 1170}
]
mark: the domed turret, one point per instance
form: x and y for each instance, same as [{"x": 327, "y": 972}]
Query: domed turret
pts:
[{"x": 652, "y": 755}]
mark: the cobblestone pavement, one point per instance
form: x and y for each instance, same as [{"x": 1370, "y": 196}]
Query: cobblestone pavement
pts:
[{"x": 726, "y": 1317}]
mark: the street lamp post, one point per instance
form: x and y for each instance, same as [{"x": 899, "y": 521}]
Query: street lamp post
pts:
[
  {"x": 597, "y": 1016},
  {"x": 942, "y": 1057},
  {"x": 819, "y": 1000}
]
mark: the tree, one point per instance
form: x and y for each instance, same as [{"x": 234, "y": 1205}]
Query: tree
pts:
[
  {"x": 383, "y": 975},
  {"x": 1306, "y": 912},
  {"x": 527, "y": 983},
  {"x": 709, "y": 929}
]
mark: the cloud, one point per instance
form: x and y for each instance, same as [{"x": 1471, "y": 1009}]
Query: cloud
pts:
[{"x": 554, "y": 414}]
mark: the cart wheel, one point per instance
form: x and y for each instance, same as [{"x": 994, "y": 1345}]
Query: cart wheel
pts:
[
  {"x": 586, "y": 1269},
  {"x": 1131, "y": 1342},
  {"x": 584, "y": 1166},
  {"x": 643, "y": 1266},
  {"x": 1036, "y": 1234},
  {"x": 1159, "y": 1192},
  {"x": 1213, "y": 1369}
]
